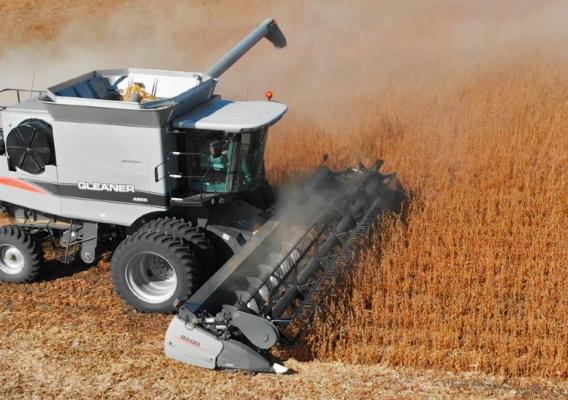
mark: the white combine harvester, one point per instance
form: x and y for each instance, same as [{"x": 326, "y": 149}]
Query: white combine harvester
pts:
[{"x": 156, "y": 163}]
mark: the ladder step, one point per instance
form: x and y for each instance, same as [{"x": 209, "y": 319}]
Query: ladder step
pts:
[{"x": 70, "y": 258}]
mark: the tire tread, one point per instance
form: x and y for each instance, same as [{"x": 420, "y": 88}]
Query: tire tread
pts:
[
  {"x": 30, "y": 246},
  {"x": 193, "y": 236}
]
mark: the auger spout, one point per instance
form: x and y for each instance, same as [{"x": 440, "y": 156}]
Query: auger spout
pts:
[{"x": 268, "y": 29}]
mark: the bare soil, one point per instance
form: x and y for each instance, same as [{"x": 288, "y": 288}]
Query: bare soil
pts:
[{"x": 70, "y": 336}]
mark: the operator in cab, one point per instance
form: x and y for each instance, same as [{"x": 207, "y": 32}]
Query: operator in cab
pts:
[{"x": 218, "y": 162}]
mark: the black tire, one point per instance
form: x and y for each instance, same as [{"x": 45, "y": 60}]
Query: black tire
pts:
[
  {"x": 196, "y": 239},
  {"x": 139, "y": 252},
  {"x": 20, "y": 255}
]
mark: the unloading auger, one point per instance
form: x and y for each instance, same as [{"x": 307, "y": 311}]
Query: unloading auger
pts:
[{"x": 282, "y": 272}]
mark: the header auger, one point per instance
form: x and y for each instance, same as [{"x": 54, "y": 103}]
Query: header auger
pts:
[{"x": 153, "y": 163}]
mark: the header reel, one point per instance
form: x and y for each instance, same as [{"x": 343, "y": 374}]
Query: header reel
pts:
[{"x": 283, "y": 273}]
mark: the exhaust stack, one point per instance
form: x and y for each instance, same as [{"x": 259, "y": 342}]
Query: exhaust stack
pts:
[{"x": 268, "y": 29}]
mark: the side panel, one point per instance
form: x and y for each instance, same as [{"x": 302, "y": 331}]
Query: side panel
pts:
[
  {"x": 97, "y": 211},
  {"x": 111, "y": 165},
  {"x": 104, "y": 173},
  {"x": 112, "y": 154},
  {"x": 92, "y": 155}
]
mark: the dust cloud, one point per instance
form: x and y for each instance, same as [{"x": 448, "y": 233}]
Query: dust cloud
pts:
[{"x": 339, "y": 53}]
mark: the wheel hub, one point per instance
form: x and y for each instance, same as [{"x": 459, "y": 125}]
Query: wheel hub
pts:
[
  {"x": 160, "y": 268},
  {"x": 11, "y": 259},
  {"x": 151, "y": 278}
]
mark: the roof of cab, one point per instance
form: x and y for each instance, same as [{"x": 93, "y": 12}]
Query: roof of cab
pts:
[{"x": 231, "y": 116}]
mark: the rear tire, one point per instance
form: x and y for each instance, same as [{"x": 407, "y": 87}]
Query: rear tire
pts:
[
  {"x": 152, "y": 270},
  {"x": 197, "y": 241},
  {"x": 20, "y": 255}
]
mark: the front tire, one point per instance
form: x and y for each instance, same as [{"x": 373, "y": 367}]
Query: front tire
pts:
[
  {"x": 195, "y": 238},
  {"x": 151, "y": 270},
  {"x": 20, "y": 255}
]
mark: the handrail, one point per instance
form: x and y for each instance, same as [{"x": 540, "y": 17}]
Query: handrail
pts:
[{"x": 19, "y": 94}]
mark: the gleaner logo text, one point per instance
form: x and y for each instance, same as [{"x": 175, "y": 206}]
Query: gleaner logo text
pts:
[{"x": 106, "y": 187}]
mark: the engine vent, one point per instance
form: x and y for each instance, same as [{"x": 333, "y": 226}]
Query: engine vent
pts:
[{"x": 30, "y": 146}]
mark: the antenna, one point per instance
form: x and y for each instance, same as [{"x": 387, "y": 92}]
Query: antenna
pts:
[{"x": 32, "y": 85}]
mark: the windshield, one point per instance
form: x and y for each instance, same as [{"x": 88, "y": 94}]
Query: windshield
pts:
[
  {"x": 251, "y": 156},
  {"x": 218, "y": 162}
]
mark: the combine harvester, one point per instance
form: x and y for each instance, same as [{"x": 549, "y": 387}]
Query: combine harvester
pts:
[{"x": 155, "y": 161}]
